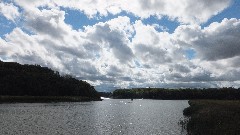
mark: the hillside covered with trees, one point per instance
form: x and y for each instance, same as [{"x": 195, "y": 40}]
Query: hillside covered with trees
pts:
[
  {"x": 172, "y": 94},
  {"x": 34, "y": 80}
]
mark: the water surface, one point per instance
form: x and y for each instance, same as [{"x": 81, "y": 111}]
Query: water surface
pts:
[{"x": 111, "y": 116}]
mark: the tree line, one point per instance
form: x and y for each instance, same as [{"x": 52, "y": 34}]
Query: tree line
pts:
[
  {"x": 105, "y": 94},
  {"x": 34, "y": 80},
  {"x": 175, "y": 94}
]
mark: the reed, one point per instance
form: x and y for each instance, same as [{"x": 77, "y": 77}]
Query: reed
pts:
[{"x": 213, "y": 117}]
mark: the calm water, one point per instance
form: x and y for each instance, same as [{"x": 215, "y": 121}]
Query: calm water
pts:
[{"x": 110, "y": 116}]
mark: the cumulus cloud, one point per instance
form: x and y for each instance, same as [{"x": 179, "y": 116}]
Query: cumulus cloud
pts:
[
  {"x": 93, "y": 54},
  {"x": 220, "y": 41},
  {"x": 9, "y": 11},
  {"x": 217, "y": 41},
  {"x": 153, "y": 48},
  {"x": 182, "y": 68},
  {"x": 185, "y": 11},
  {"x": 113, "y": 38},
  {"x": 120, "y": 53},
  {"x": 26, "y": 49},
  {"x": 49, "y": 22},
  {"x": 217, "y": 51}
]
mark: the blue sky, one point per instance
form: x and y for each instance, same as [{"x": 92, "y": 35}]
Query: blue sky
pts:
[
  {"x": 231, "y": 12},
  {"x": 117, "y": 44},
  {"x": 6, "y": 26}
]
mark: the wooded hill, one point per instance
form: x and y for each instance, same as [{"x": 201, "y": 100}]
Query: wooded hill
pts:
[{"x": 34, "y": 80}]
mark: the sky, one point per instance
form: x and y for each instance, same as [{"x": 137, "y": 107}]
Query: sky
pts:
[{"x": 126, "y": 44}]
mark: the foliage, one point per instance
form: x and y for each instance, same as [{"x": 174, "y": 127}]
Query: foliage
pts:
[
  {"x": 43, "y": 99},
  {"x": 105, "y": 94},
  {"x": 175, "y": 94},
  {"x": 34, "y": 80}
]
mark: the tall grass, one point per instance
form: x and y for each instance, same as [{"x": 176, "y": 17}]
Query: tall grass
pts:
[{"x": 213, "y": 117}]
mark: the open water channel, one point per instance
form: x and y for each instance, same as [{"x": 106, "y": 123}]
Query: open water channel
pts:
[{"x": 107, "y": 117}]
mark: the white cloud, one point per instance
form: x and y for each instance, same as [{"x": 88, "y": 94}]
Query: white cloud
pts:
[
  {"x": 217, "y": 41},
  {"x": 26, "y": 49},
  {"x": 9, "y": 11},
  {"x": 153, "y": 48},
  {"x": 113, "y": 38},
  {"x": 121, "y": 53},
  {"x": 93, "y": 54},
  {"x": 185, "y": 11},
  {"x": 217, "y": 49}
]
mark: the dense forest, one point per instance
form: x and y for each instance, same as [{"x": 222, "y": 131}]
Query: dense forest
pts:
[
  {"x": 172, "y": 94},
  {"x": 34, "y": 80}
]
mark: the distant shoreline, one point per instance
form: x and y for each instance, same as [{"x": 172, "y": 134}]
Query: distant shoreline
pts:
[
  {"x": 45, "y": 99},
  {"x": 178, "y": 94}
]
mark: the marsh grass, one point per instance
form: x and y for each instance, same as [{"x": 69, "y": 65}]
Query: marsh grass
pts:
[
  {"x": 44, "y": 99},
  {"x": 213, "y": 117}
]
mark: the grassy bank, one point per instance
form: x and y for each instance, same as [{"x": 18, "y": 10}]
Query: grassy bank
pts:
[
  {"x": 213, "y": 117},
  {"x": 44, "y": 99}
]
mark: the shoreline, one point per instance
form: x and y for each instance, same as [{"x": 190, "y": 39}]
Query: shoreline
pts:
[
  {"x": 213, "y": 117},
  {"x": 45, "y": 99}
]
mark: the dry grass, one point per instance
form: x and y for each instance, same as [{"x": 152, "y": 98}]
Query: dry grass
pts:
[{"x": 213, "y": 117}]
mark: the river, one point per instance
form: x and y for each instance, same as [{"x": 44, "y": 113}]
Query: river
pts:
[{"x": 107, "y": 117}]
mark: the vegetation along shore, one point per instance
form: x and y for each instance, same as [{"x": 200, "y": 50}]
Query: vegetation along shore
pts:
[
  {"x": 213, "y": 117},
  {"x": 44, "y": 99},
  {"x": 178, "y": 94}
]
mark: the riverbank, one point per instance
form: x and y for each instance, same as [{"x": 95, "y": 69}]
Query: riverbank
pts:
[
  {"x": 44, "y": 99},
  {"x": 213, "y": 117}
]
